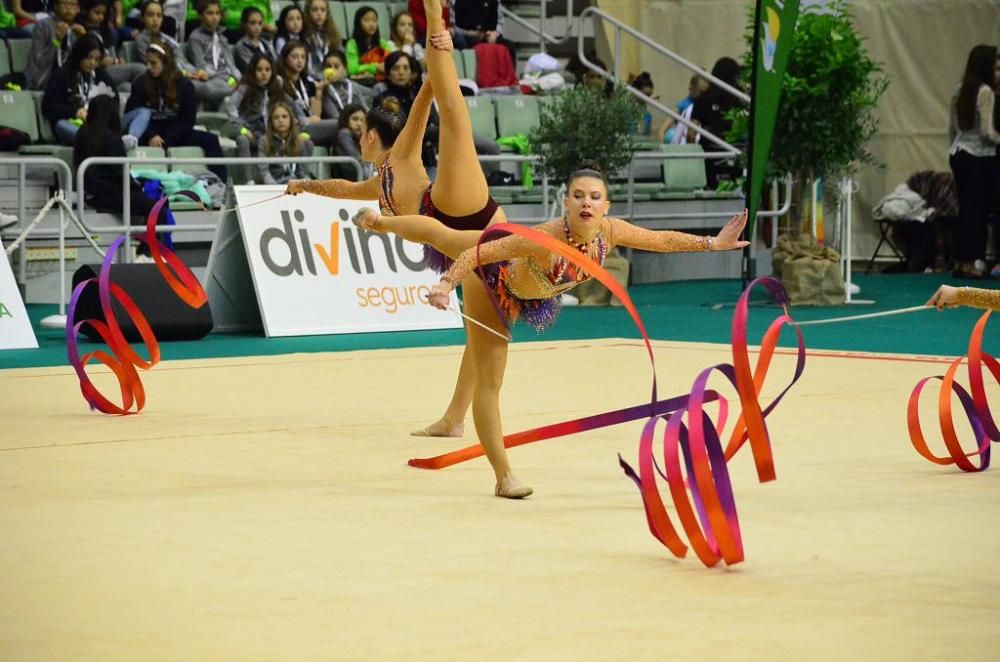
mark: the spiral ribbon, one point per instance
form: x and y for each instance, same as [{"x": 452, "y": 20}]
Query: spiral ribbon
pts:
[
  {"x": 123, "y": 360},
  {"x": 714, "y": 531},
  {"x": 976, "y": 408}
]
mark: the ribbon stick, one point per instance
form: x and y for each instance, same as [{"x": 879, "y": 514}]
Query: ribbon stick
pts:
[
  {"x": 709, "y": 517},
  {"x": 976, "y": 408},
  {"x": 123, "y": 360}
]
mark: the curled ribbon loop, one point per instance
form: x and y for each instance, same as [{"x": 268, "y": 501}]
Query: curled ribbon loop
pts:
[
  {"x": 709, "y": 518},
  {"x": 975, "y": 405},
  {"x": 123, "y": 360}
]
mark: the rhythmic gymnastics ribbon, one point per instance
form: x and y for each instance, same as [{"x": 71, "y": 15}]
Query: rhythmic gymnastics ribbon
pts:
[
  {"x": 976, "y": 408},
  {"x": 123, "y": 360},
  {"x": 714, "y": 532}
]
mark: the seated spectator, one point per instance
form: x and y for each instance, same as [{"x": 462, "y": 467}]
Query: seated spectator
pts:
[
  {"x": 210, "y": 53},
  {"x": 233, "y": 17},
  {"x": 282, "y": 139},
  {"x": 366, "y": 50},
  {"x": 341, "y": 91},
  {"x": 252, "y": 41},
  {"x": 404, "y": 37},
  {"x": 171, "y": 106},
  {"x": 51, "y": 41},
  {"x": 290, "y": 24},
  {"x": 481, "y": 21},
  {"x": 419, "y": 15},
  {"x": 350, "y": 126},
  {"x": 70, "y": 88},
  {"x": 306, "y": 96},
  {"x": 644, "y": 83},
  {"x": 96, "y": 18},
  {"x": 401, "y": 82},
  {"x": 320, "y": 35},
  {"x": 670, "y": 132},
  {"x": 709, "y": 111},
  {"x": 248, "y": 105},
  {"x": 103, "y": 188},
  {"x": 29, "y": 12},
  {"x": 9, "y": 28}
]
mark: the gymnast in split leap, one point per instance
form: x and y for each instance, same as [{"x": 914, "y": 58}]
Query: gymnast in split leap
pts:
[
  {"x": 526, "y": 279},
  {"x": 459, "y": 198}
]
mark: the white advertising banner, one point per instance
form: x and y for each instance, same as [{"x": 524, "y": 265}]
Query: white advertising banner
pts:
[
  {"x": 315, "y": 272},
  {"x": 15, "y": 327}
]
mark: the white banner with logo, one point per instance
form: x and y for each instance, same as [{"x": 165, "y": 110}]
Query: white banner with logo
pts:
[
  {"x": 315, "y": 272},
  {"x": 15, "y": 327}
]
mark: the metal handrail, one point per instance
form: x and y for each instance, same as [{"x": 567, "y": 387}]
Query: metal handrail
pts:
[
  {"x": 621, "y": 27},
  {"x": 543, "y": 36}
]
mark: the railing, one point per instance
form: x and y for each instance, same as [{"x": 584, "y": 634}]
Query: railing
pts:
[
  {"x": 543, "y": 36},
  {"x": 623, "y": 28}
]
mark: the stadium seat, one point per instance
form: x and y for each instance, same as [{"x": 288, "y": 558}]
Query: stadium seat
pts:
[
  {"x": 682, "y": 176},
  {"x": 148, "y": 152},
  {"x": 516, "y": 115},
  {"x": 4, "y": 58},
  {"x": 469, "y": 63},
  {"x": 19, "y": 53},
  {"x": 186, "y": 153},
  {"x": 130, "y": 52},
  {"x": 397, "y": 8},
  {"x": 340, "y": 19},
  {"x": 456, "y": 57},
  {"x": 483, "y": 114},
  {"x": 18, "y": 111},
  {"x": 320, "y": 170}
]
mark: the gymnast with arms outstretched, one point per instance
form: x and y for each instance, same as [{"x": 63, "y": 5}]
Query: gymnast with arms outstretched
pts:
[
  {"x": 460, "y": 197},
  {"x": 525, "y": 280}
]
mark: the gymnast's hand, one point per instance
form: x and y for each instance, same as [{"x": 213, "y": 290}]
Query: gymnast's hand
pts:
[
  {"x": 442, "y": 41},
  {"x": 440, "y": 295},
  {"x": 729, "y": 236},
  {"x": 296, "y": 186},
  {"x": 945, "y": 297}
]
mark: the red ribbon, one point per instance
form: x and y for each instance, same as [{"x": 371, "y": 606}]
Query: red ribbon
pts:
[
  {"x": 976, "y": 408},
  {"x": 123, "y": 360}
]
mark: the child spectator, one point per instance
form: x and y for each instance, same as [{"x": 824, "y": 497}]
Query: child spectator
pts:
[
  {"x": 248, "y": 106},
  {"x": 70, "y": 88},
  {"x": 29, "y": 12},
  {"x": 321, "y": 36},
  {"x": 51, "y": 42},
  {"x": 670, "y": 132},
  {"x": 341, "y": 92},
  {"x": 95, "y": 17},
  {"x": 644, "y": 83},
  {"x": 289, "y": 27},
  {"x": 366, "y": 50},
  {"x": 481, "y": 21},
  {"x": 210, "y": 53},
  {"x": 99, "y": 136},
  {"x": 172, "y": 105},
  {"x": 152, "y": 21},
  {"x": 252, "y": 41},
  {"x": 404, "y": 36},
  {"x": 306, "y": 96},
  {"x": 282, "y": 139}
]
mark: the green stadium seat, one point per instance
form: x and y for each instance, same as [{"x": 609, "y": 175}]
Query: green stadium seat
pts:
[
  {"x": 682, "y": 177},
  {"x": 469, "y": 63},
  {"x": 18, "y": 111},
  {"x": 4, "y": 58},
  {"x": 483, "y": 114},
  {"x": 186, "y": 153},
  {"x": 320, "y": 170},
  {"x": 456, "y": 57},
  {"x": 130, "y": 52},
  {"x": 340, "y": 19},
  {"x": 516, "y": 114},
  {"x": 20, "y": 50},
  {"x": 148, "y": 152}
]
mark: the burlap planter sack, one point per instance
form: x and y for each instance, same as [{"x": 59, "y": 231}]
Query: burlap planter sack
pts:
[{"x": 810, "y": 273}]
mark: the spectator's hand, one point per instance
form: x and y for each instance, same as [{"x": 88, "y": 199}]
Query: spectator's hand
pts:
[
  {"x": 61, "y": 29},
  {"x": 156, "y": 141},
  {"x": 81, "y": 114},
  {"x": 107, "y": 61},
  {"x": 442, "y": 41},
  {"x": 201, "y": 74},
  {"x": 79, "y": 30},
  {"x": 945, "y": 297},
  {"x": 320, "y": 84},
  {"x": 492, "y": 36},
  {"x": 729, "y": 236},
  {"x": 440, "y": 295},
  {"x": 295, "y": 186}
]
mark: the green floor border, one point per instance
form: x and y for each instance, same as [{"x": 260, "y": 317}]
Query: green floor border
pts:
[{"x": 698, "y": 311}]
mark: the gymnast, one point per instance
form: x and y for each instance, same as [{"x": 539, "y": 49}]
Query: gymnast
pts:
[
  {"x": 976, "y": 297},
  {"x": 526, "y": 280},
  {"x": 460, "y": 197}
]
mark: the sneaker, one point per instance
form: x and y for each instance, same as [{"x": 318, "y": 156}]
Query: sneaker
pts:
[{"x": 130, "y": 142}]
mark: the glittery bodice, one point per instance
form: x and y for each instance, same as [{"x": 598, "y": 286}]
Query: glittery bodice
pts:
[{"x": 386, "y": 180}]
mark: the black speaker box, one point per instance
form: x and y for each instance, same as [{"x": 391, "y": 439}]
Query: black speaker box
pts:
[{"x": 169, "y": 317}]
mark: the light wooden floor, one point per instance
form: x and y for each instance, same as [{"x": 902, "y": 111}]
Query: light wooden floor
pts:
[{"x": 261, "y": 509}]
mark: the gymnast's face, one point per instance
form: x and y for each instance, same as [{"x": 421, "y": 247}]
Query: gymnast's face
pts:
[
  {"x": 586, "y": 204},
  {"x": 371, "y": 144}
]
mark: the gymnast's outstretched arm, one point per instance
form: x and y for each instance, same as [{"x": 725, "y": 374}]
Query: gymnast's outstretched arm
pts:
[
  {"x": 508, "y": 248},
  {"x": 336, "y": 188},
  {"x": 669, "y": 241}
]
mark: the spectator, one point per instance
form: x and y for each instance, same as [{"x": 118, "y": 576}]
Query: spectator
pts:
[
  {"x": 306, "y": 96},
  {"x": 210, "y": 53},
  {"x": 70, "y": 88},
  {"x": 974, "y": 142},
  {"x": 419, "y": 15},
  {"x": 171, "y": 104},
  {"x": 248, "y": 106},
  {"x": 400, "y": 83},
  {"x": 290, "y": 25},
  {"x": 252, "y": 41},
  {"x": 27, "y": 13},
  {"x": 51, "y": 41},
  {"x": 100, "y": 136},
  {"x": 670, "y": 132},
  {"x": 341, "y": 92},
  {"x": 321, "y": 36},
  {"x": 350, "y": 126},
  {"x": 481, "y": 21},
  {"x": 282, "y": 139},
  {"x": 709, "y": 112},
  {"x": 366, "y": 50},
  {"x": 644, "y": 83},
  {"x": 96, "y": 19},
  {"x": 404, "y": 37}
]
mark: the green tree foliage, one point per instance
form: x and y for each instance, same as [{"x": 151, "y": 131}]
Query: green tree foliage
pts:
[
  {"x": 829, "y": 95},
  {"x": 580, "y": 125}
]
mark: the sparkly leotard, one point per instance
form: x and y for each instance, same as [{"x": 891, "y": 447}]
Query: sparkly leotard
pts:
[
  {"x": 979, "y": 298},
  {"x": 528, "y": 279}
]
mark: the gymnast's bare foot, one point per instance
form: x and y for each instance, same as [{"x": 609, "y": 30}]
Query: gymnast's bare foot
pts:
[
  {"x": 441, "y": 429},
  {"x": 367, "y": 219},
  {"x": 511, "y": 488}
]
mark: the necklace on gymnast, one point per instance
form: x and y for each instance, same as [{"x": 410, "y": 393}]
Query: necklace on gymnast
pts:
[{"x": 584, "y": 247}]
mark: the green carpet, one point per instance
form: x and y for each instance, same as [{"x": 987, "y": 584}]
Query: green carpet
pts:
[{"x": 698, "y": 311}]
